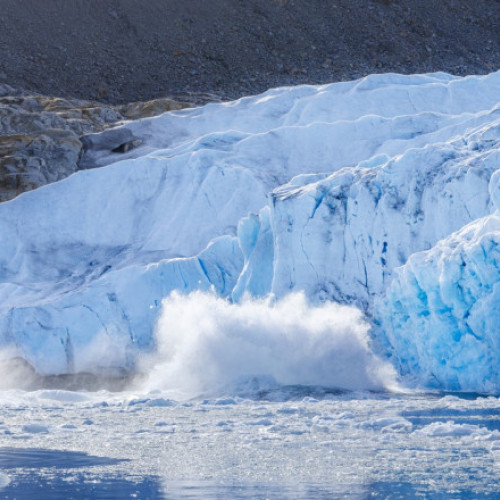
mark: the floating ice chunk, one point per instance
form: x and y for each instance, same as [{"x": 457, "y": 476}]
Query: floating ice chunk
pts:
[
  {"x": 35, "y": 429},
  {"x": 64, "y": 396},
  {"x": 160, "y": 403},
  {"x": 451, "y": 429},
  {"x": 4, "y": 480},
  {"x": 389, "y": 424}
]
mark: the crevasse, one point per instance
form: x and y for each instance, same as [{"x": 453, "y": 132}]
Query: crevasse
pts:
[{"x": 333, "y": 190}]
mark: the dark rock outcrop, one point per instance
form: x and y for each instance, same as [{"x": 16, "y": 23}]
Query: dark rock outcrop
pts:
[{"x": 43, "y": 139}]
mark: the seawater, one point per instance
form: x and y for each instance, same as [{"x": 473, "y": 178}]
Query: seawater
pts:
[{"x": 291, "y": 442}]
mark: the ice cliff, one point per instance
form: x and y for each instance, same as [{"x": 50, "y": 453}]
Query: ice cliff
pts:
[
  {"x": 449, "y": 299},
  {"x": 332, "y": 190}
]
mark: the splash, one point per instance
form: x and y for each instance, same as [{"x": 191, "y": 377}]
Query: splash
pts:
[{"x": 206, "y": 344}]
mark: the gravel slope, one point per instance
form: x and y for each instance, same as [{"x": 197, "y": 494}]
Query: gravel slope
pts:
[{"x": 125, "y": 50}]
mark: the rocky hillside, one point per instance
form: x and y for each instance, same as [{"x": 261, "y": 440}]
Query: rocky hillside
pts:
[
  {"x": 43, "y": 139},
  {"x": 125, "y": 50}
]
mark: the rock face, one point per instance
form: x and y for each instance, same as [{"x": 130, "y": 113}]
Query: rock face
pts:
[
  {"x": 42, "y": 139},
  {"x": 136, "y": 110},
  {"x": 30, "y": 161}
]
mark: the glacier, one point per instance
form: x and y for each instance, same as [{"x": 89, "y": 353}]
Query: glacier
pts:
[
  {"x": 354, "y": 192},
  {"x": 449, "y": 296},
  {"x": 338, "y": 237}
]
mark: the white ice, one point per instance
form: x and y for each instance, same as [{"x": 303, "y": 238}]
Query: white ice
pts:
[
  {"x": 324, "y": 190},
  {"x": 206, "y": 345}
]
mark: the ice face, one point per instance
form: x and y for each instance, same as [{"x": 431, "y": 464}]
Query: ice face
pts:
[
  {"x": 441, "y": 314},
  {"x": 449, "y": 297},
  {"x": 339, "y": 237},
  {"x": 102, "y": 325},
  {"x": 324, "y": 190},
  {"x": 439, "y": 319}
]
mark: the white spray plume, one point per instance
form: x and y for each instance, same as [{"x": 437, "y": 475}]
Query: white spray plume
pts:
[{"x": 205, "y": 343}]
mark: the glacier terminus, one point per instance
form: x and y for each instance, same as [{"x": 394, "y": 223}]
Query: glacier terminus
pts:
[{"x": 372, "y": 205}]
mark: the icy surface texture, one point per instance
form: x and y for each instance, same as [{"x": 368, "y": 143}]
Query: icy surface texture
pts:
[
  {"x": 294, "y": 443},
  {"x": 319, "y": 189},
  {"x": 441, "y": 313},
  {"x": 99, "y": 327},
  {"x": 339, "y": 237}
]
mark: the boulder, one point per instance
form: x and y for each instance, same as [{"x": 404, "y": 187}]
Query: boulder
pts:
[{"x": 30, "y": 161}]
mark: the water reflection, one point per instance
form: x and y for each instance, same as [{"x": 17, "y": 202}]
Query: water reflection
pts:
[
  {"x": 212, "y": 490},
  {"x": 13, "y": 458},
  {"x": 33, "y": 473},
  {"x": 205, "y": 490},
  {"x": 404, "y": 491},
  {"x": 36, "y": 473},
  {"x": 80, "y": 487}
]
